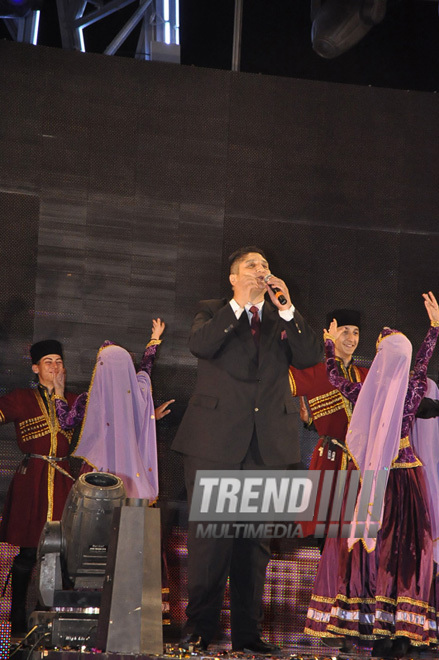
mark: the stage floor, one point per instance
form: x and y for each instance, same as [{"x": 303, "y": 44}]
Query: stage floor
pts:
[{"x": 215, "y": 652}]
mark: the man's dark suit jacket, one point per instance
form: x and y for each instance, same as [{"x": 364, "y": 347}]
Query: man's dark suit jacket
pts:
[{"x": 237, "y": 390}]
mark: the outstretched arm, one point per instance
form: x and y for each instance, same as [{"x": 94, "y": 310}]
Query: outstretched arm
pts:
[
  {"x": 347, "y": 388},
  {"x": 428, "y": 345},
  {"x": 158, "y": 327},
  {"x": 418, "y": 380}
]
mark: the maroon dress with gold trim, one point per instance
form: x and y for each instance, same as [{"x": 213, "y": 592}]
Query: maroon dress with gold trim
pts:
[
  {"x": 38, "y": 490},
  {"x": 331, "y": 413}
]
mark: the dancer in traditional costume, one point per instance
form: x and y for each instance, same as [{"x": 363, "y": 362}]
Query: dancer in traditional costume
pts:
[
  {"x": 384, "y": 588},
  {"x": 39, "y": 488},
  {"x": 331, "y": 412}
]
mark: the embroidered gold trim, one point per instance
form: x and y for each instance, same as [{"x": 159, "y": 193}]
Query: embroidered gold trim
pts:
[
  {"x": 293, "y": 386},
  {"x": 322, "y": 599},
  {"x": 363, "y": 541},
  {"x": 343, "y": 631},
  {"x": 412, "y": 601},
  {"x": 404, "y": 442},
  {"x": 396, "y": 465},
  {"x": 357, "y": 373},
  {"x": 406, "y": 633},
  {"x": 401, "y": 599},
  {"x": 36, "y": 427},
  {"x": 380, "y": 338},
  {"x": 88, "y": 399},
  {"x": 346, "y": 633},
  {"x": 53, "y": 451},
  {"x": 50, "y": 489},
  {"x": 431, "y": 641},
  {"x": 385, "y": 599},
  {"x": 329, "y": 403},
  {"x": 53, "y": 428},
  {"x": 2, "y": 418},
  {"x": 351, "y": 456},
  {"x": 316, "y": 633},
  {"x": 346, "y": 599},
  {"x": 32, "y": 421}
]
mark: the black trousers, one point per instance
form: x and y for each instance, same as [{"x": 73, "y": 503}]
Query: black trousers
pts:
[
  {"x": 21, "y": 573},
  {"x": 212, "y": 560}
]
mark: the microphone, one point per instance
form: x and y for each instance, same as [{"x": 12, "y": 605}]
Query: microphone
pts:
[{"x": 277, "y": 292}]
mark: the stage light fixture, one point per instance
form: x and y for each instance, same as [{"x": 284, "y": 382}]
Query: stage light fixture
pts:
[{"x": 337, "y": 25}]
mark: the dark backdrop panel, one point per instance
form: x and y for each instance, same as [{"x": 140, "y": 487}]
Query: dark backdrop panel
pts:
[
  {"x": 148, "y": 175},
  {"x": 332, "y": 154},
  {"x": 19, "y": 215},
  {"x": 18, "y": 269}
]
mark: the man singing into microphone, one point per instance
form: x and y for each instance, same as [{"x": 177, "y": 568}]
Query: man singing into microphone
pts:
[{"x": 242, "y": 416}]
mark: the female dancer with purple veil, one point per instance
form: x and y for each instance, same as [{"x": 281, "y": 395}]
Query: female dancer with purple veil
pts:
[
  {"x": 381, "y": 590},
  {"x": 118, "y": 433}
]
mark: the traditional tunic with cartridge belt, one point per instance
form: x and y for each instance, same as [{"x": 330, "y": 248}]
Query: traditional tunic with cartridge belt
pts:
[
  {"x": 331, "y": 413},
  {"x": 43, "y": 479}
]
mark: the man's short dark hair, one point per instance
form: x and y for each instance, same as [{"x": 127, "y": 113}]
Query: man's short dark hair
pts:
[{"x": 239, "y": 254}]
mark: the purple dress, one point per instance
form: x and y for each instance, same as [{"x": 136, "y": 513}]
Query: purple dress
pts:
[{"x": 386, "y": 591}]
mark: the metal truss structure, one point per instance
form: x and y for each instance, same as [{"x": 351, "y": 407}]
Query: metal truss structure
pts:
[
  {"x": 154, "y": 22},
  {"x": 150, "y": 29},
  {"x": 22, "y": 25}
]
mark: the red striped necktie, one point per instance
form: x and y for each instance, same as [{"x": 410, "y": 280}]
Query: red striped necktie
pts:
[{"x": 255, "y": 324}]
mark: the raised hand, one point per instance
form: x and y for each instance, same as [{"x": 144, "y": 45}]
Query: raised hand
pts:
[
  {"x": 158, "y": 327},
  {"x": 333, "y": 332},
  {"x": 432, "y": 307},
  {"x": 279, "y": 284},
  {"x": 250, "y": 287},
  {"x": 59, "y": 381}
]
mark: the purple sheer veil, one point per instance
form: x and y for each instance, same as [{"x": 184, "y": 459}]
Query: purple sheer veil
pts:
[
  {"x": 374, "y": 433},
  {"x": 119, "y": 434},
  {"x": 425, "y": 440}
]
